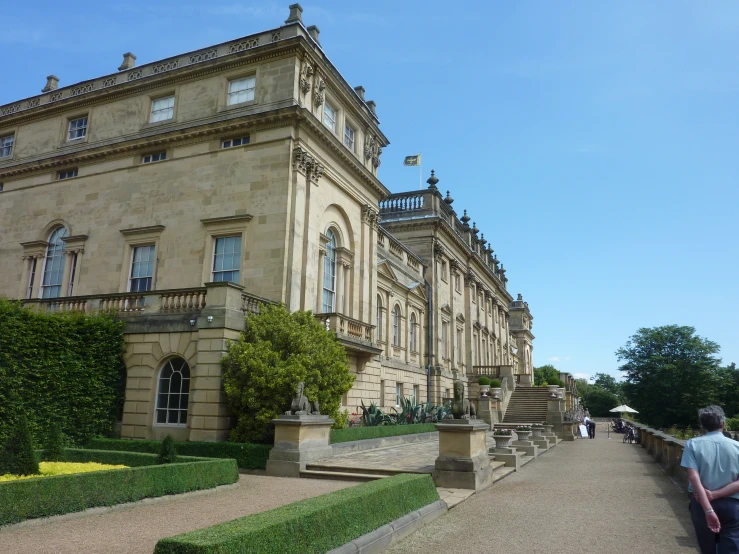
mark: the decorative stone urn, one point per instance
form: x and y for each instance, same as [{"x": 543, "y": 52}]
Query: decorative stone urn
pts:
[
  {"x": 495, "y": 392},
  {"x": 523, "y": 435},
  {"x": 553, "y": 390},
  {"x": 536, "y": 431},
  {"x": 502, "y": 441},
  {"x": 561, "y": 393},
  {"x": 484, "y": 390}
]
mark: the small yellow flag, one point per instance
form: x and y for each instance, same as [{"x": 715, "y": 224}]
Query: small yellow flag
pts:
[{"x": 412, "y": 160}]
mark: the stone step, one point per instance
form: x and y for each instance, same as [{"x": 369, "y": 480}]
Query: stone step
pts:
[
  {"x": 501, "y": 472},
  {"x": 339, "y": 475},
  {"x": 526, "y": 459},
  {"x": 328, "y": 468}
]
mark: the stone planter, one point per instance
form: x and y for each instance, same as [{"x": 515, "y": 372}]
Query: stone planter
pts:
[
  {"x": 536, "y": 432},
  {"x": 495, "y": 392},
  {"x": 561, "y": 393},
  {"x": 484, "y": 390},
  {"x": 523, "y": 435},
  {"x": 549, "y": 429},
  {"x": 502, "y": 441},
  {"x": 553, "y": 389}
]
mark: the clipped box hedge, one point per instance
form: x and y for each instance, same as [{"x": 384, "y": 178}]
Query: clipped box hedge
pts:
[
  {"x": 311, "y": 526},
  {"x": 62, "y": 494},
  {"x": 247, "y": 455},
  {"x": 360, "y": 433}
]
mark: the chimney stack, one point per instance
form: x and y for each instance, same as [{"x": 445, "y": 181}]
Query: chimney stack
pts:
[
  {"x": 314, "y": 32},
  {"x": 129, "y": 61},
  {"x": 371, "y": 105},
  {"x": 52, "y": 83},
  {"x": 360, "y": 91},
  {"x": 296, "y": 14}
]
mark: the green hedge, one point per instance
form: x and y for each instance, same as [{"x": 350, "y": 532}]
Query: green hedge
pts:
[
  {"x": 247, "y": 456},
  {"x": 60, "y": 367},
  {"x": 62, "y": 494},
  {"x": 311, "y": 526},
  {"x": 360, "y": 433}
]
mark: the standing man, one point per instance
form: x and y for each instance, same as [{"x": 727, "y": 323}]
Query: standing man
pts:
[
  {"x": 712, "y": 462},
  {"x": 590, "y": 425}
]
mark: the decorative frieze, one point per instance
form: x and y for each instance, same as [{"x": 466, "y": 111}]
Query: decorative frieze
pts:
[
  {"x": 165, "y": 66},
  {"x": 7, "y": 110},
  {"x": 82, "y": 89},
  {"x": 133, "y": 75},
  {"x": 204, "y": 56},
  {"x": 243, "y": 45},
  {"x": 109, "y": 82}
]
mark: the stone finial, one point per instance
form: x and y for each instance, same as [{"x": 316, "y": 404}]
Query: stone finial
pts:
[
  {"x": 52, "y": 83},
  {"x": 449, "y": 200},
  {"x": 483, "y": 241},
  {"x": 372, "y": 106},
  {"x": 474, "y": 228},
  {"x": 296, "y": 14},
  {"x": 129, "y": 61},
  {"x": 314, "y": 31},
  {"x": 465, "y": 219},
  {"x": 360, "y": 92},
  {"x": 432, "y": 181},
  {"x": 520, "y": 297}
]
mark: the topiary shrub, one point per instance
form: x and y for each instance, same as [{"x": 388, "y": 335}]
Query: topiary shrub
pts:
[
  {"x": 484, "y": 381},
  {"x": 495, "y": 383},
  {"x": 17, "y": 457},
  {"x": 168, "y": 451},
  {"x": 54, "y": 445},
  {"x": 276, "y": 350}
]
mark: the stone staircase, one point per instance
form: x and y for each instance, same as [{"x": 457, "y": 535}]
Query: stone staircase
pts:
[
  {"x": 527, "y": 405},
  {"x": 319, "y": 470}
]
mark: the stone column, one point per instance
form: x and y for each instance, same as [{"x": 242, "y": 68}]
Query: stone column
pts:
[
  {"x": 220, "y": 321},
  {"x": 463, "y": 461},
  {"x": 299, "y": 439}
]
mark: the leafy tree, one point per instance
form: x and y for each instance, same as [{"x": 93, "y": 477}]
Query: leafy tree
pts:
[
  {"x": 17, "y": 456},
  {"x": 599, "y": 401},
  {"x": 54, "y": 445},
  {"x": 276, "y": 351},
  {"x": 545, "y": 373},
  {"x": 167, "y": 452},
  {"x": 609, "y": 383},
  {"x": 670, "y": 374},
  {"x": 727, "y": 389}
]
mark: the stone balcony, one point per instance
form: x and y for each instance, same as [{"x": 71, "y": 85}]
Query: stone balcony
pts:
[{"x": 356, "y": 336}]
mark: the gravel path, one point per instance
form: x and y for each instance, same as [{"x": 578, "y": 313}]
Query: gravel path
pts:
[
  {"x": 584, "y": 497},
  {"x": 137, "y": 529}
]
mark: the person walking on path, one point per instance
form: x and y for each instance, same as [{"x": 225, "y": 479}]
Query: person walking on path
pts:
[
  {"x": 712, "y": 464},
  {"x": 590, "y": 426}
]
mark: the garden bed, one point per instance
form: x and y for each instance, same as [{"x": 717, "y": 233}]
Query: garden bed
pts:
[
  {"x": 378, "y": 432},
  {"x": 314, "y": 525},
  {"x": 61, "y": 494},
  {"x": 50, "y": 469},
  {"x": 247, "y": 455}
]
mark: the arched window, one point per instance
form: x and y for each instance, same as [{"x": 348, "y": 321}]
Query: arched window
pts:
[
  {"x": 51, "y": 285},
  {"x": 379, "y": 317},
  {"x": 329, "y": 274},
  {"x": 412, "y": 333},
  {"x": 173, "y": 392},
  {"x": 396, "y": 325}
]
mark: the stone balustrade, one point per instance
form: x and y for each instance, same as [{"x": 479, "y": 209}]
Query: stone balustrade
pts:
[
  {"x": 129, "y": 303},
  {"x": 666, "y": 450},
  {"x": 347, "y": 327},
  {"x": 252, "y": 304}
]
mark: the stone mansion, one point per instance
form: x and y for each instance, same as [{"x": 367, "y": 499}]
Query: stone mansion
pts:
[{"x": 184, "y": 192}]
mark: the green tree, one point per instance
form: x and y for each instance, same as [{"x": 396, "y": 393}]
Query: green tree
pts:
[
  {"x": 727, "y": 389},
  {"x": 599, "y": 401},
  {"x": 276, "y": 351},
  {"x": 609, "y": 383},
  {"x": 670, "y": 374},
  {"x": 544, "y": 373},
  {"x": 17, "y": 457},
  {"x": 54, "y": 445}
]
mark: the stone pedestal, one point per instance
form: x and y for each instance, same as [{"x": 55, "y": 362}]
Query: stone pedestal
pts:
[
  {"x": 536, "y": 432},
  {"x": 508, "y": 455},
  {"x": 542, "y": 443},
  {"x": 299, "y": 439},
  {"x": 527, "y": 447},
  {"x": 487, "y": 410},
  {"x": 568, "y": 431},
  {"x": 463, "y": 461}
]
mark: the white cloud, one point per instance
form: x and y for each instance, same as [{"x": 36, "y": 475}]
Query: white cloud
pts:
[
  {"x": 558, "y": 359},
  {"x": 581, "y": 376}
]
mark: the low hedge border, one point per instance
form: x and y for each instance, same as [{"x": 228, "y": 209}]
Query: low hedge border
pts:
[
  {"x": 247, "y": 455},
  {"x": 311, "y": 526},
  {"x": 62, "y": 494},
  {"x": 362, "y": 433}
]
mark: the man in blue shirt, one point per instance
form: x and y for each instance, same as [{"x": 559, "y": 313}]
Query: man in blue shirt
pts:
[{"x": 712, "y": 464}]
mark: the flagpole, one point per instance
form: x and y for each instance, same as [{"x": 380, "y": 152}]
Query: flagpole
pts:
[{"x": 420, "y": 171}]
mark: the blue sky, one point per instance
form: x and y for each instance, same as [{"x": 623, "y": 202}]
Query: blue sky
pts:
[{"x": 595, "y": 144}]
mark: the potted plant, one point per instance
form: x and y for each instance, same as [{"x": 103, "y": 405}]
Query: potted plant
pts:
[
  {"x": 553, "y": 384},
  {"x": 495, "y": 388},
  {"x": 523, "y": 432},
  {"x": 536, "y": 430},
  {"x": 503, "y": 438},
  {"x": 484, "y": 385}
]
